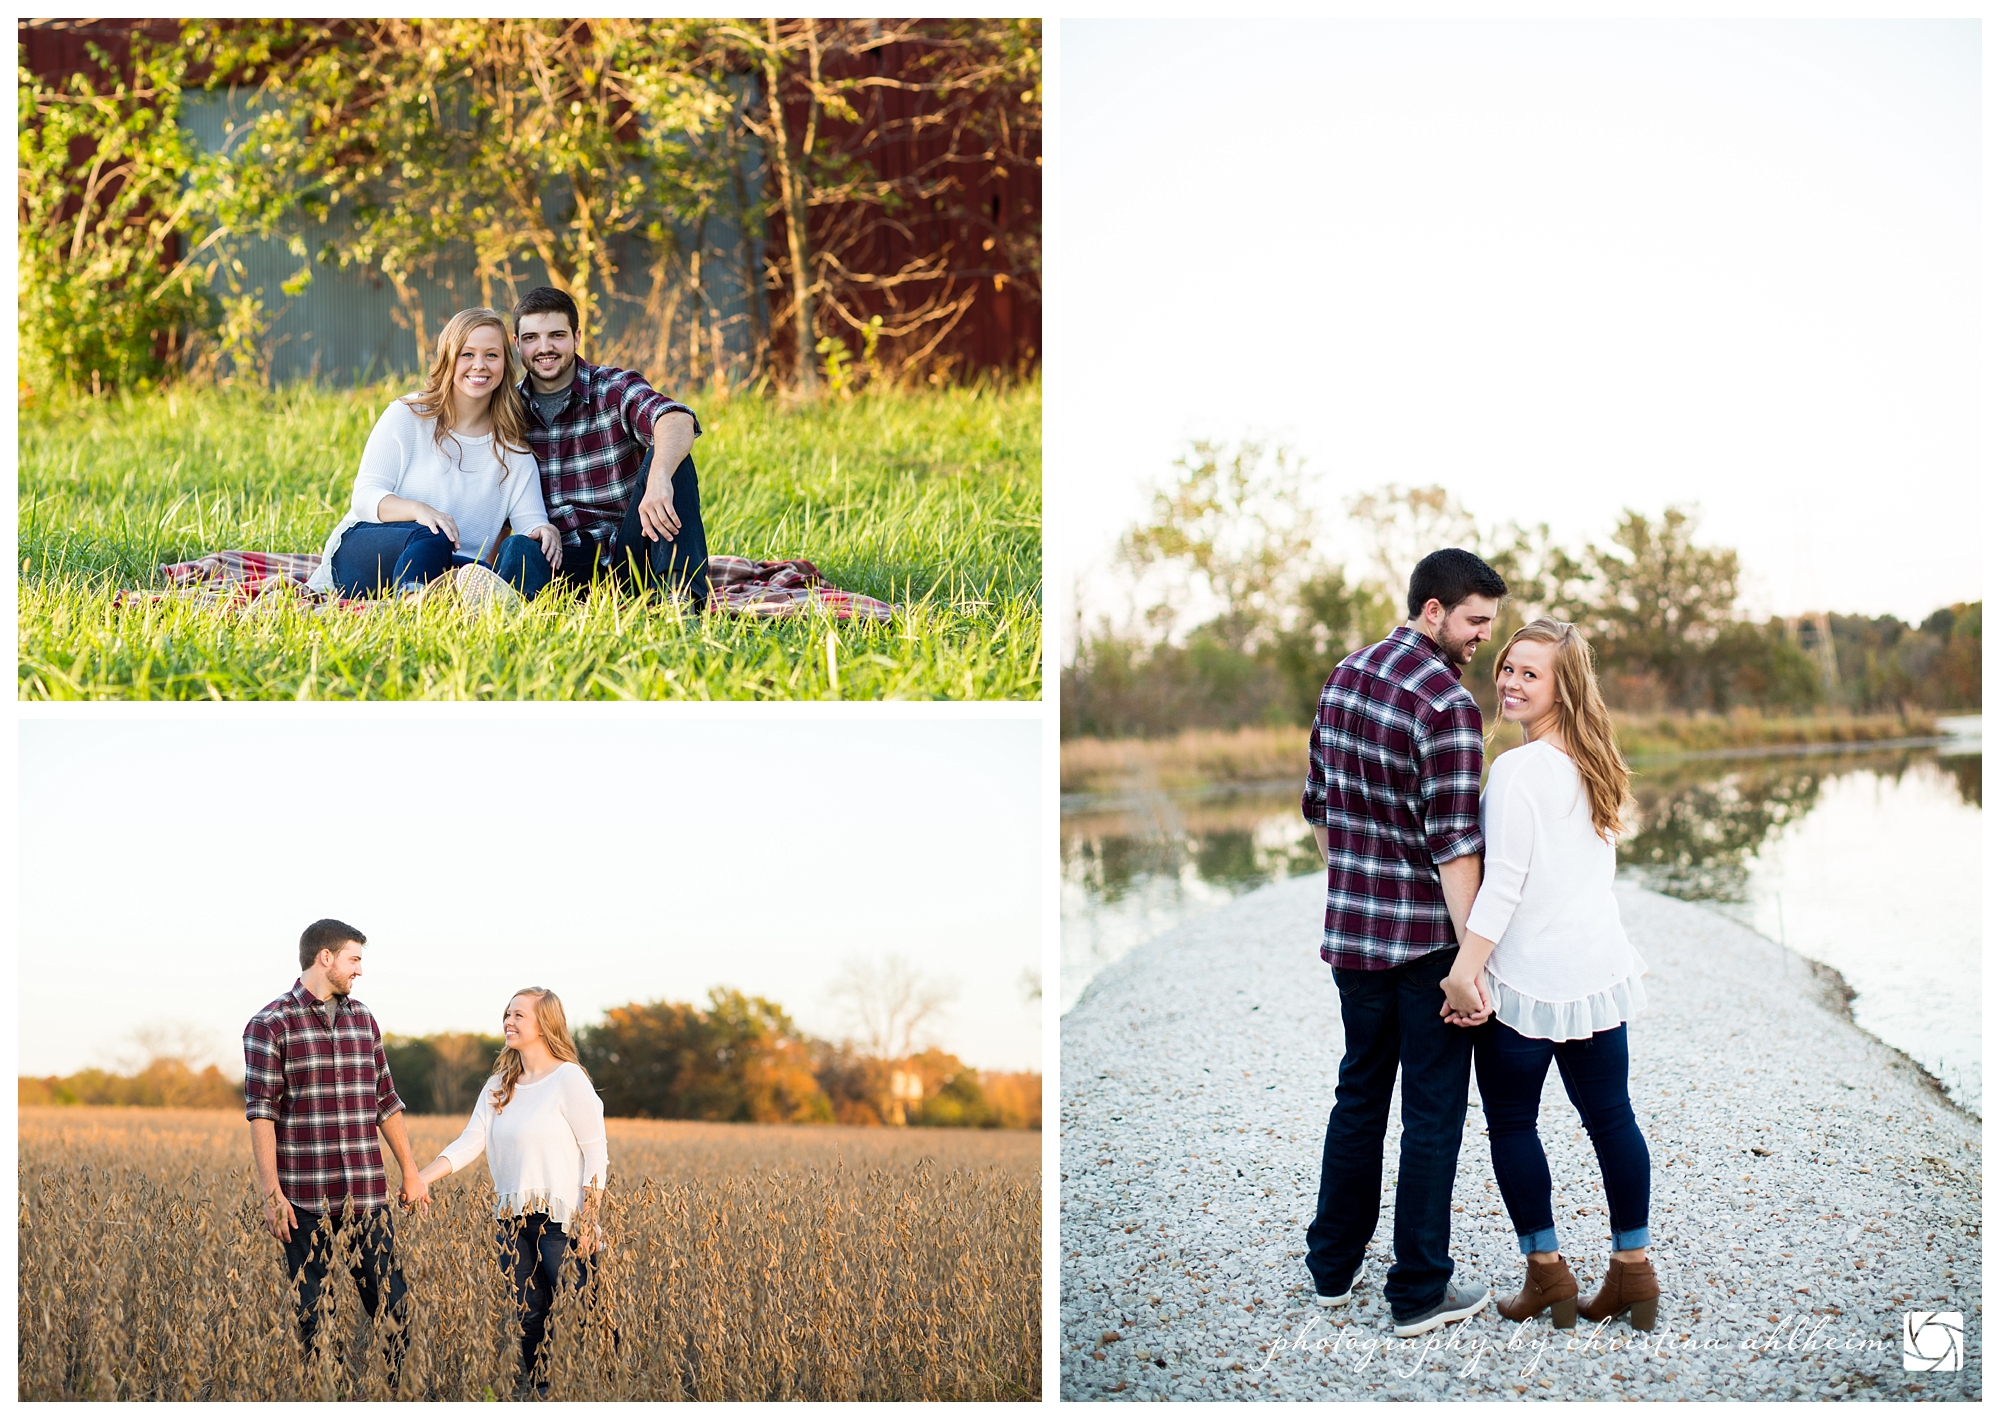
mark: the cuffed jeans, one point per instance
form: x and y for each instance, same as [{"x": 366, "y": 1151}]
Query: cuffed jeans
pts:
[
  {"x": 639, "y": 561},
  {"x": 309, "y": 1255},
  {"x": 533, "y": 1252},
  {"x": 376, "y": 557},
  {"x": 1391, "y": 1019},
  {"x": 1512, "y": 1068}
]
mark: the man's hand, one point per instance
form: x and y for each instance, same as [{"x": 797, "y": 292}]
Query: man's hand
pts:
[
  {"x": 278, "y": 1216},
  {"x": 1465, "y": 1002},
  {"x": 551, "y": 542},
  {"x": 415, "y": 1193},
  {"x": 656, "y": 508}
]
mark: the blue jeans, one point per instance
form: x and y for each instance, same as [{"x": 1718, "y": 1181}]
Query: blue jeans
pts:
[
  {"x": 533, "y": 1252},
  {"x": 314, "y": 1250},
  {"x": 376, "y": 557},
  {"x": 638, "y": 560},
  {"x": 1512, "y": 1068},
  {"x": 1391, "y": 1019}
]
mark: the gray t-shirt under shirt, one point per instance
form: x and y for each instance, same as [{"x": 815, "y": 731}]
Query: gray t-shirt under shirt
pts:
[{"x": 549, "y": 405}]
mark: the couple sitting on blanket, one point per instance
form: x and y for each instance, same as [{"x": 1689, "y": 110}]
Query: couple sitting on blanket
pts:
[{"x": 584, "y": 467}]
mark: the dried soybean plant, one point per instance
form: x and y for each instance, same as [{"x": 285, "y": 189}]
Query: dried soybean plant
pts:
[{"x": 742, "y": 1262}]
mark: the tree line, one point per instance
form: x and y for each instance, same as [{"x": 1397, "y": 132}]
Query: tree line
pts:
[
  {"x": 739, "y": 1059},
  {"x": 1240, "y": 615},
  {"x": 876, "y": 175}
]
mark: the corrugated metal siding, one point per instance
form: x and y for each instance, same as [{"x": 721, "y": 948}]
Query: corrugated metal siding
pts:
[{"x": 348, "y": 324}]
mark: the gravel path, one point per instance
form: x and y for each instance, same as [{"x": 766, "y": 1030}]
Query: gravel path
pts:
[{"x": 1809, "y": 1186}]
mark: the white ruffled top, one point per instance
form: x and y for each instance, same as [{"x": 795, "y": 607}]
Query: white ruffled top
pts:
[
  {"x": 1561, "y": 967},
  {"x": 543, "y": 1148}
]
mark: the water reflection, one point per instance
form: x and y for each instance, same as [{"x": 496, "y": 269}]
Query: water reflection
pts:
[
  {"x": 1865, "y": 861},
  {"x": 1700, "y": 822}
]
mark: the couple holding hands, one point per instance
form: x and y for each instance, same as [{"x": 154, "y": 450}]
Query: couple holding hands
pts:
[
  {"x": 507, "y": 481},
  {"x": 1446, "y": 963},
  {"x": 317, "y": 1088}
]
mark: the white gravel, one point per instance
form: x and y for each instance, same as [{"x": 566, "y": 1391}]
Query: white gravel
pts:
[{"x": 1809, "y": 1186}]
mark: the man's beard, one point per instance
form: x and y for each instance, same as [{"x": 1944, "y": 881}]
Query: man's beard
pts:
[
  {"x": 1461, "y": 651},
  {"x": 339, "y": 987}
]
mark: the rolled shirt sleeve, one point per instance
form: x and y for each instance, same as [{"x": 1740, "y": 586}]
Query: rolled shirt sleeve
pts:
[
  {"x": 1312, "y": 803},
  {"x": 387, "y": 1101},
  {"x": 263, "y": 1070},
  {"x": 643, "y": 406},
  {"x": 1451, "y": 752}
]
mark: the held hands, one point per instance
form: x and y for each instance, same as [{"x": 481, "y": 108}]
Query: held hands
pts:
[
  {"x": 656, "y": 509},
  {"x": 279, "y": 1218},
  {"x": 415, "y": 1193},
  {"x": 551, "y": 542},
  {"x": 1465, "y": 1002}
]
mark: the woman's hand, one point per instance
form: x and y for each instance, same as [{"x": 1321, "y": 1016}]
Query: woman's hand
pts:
[
  {"x": 434, "y": 520},
  {"x": 551, "y": 542},
  {"x": 1465, "y": 1002}
]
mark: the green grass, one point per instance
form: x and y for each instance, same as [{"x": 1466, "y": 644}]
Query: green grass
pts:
[{"x": 931, "y": 500}]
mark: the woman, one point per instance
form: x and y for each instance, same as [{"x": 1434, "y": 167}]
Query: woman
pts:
[
  {"x": 541, "y": 1126},
  {"x": 443, "y": 471},
  {"x": 1546, "y": 957}
]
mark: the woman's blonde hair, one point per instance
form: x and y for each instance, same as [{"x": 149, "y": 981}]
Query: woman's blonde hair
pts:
[
  {"x": 1582, "y": 719},
  {"x": 554, "y": 1026},
  {"x": 433, "y": 401}
]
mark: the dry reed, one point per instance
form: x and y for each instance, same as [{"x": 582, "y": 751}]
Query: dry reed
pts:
[{"x": 744, "y": 1262}]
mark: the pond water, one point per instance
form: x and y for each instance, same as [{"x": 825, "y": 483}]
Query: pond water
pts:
[{"x": 1867, "y": 861}]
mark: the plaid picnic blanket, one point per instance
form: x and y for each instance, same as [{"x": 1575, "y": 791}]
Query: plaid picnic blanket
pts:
[{"x": 250, "y": 581}]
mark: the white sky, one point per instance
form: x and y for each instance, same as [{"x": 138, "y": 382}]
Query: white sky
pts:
[
  {"x": 1560, "y": 268},
  {"x": 168, "y": 867}
]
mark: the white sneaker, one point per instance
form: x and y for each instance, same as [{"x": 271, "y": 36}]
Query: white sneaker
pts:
[
  {"x": 479, "y": 584},
  {"x": 1345, "y": 1297}
]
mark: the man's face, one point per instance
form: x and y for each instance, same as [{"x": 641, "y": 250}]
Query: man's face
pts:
[
  {"x": 548, "y": 348},
  {"x": 344, "y": 969},
  {"x": 1461, "y": 631}
]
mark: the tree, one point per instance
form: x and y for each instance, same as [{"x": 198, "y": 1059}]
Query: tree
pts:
[
  {"x": 740, "y": 1060},
  {"x": 103, "y": 170},
  {"x": 890, "y": 1004},
  {"x": 1403, "y": 525},
  {"x": 1235, "y": 525},
  {"x": 1661, "y": 600}
]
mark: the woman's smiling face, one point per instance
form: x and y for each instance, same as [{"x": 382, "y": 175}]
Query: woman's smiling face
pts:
[
  {"x": 518, "y": 1024},
  {"x": 1527, "y": 682},
  {"x": 482, "y": 365}
]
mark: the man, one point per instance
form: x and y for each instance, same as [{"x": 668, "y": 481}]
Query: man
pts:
[
  {"x": 1392, "y": 793},
  {"x": 617, "y": 477},
  {"x": 316, "y": 1088}
]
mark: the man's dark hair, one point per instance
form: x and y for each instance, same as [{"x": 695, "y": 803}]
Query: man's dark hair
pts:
[
  {"x": 326, "y": 935},
  {"x": 1452, "y": 574},
  {"x": 545, "y": 300}
]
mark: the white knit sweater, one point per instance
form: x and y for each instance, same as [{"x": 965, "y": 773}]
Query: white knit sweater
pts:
[
  {"x": 1561, "y": 967},
  {"x": 462, "y": 478},
  {"x": 543, "y": 1148}
]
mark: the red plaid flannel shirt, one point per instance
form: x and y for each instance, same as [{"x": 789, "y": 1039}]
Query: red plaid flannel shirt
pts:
[
  {"x": 591, "y": 452},
  {"x": 326, "y": 1089},
  {"x": 1396, "y": 755}
]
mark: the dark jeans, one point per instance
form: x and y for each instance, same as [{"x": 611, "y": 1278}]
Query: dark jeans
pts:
[
  {"x": 1391, "y": 1019},
  {"x": 533, "y": 1252},
  {"x": 1512, "y": 1068},
  {"x": 310, "y": 1252},
  {"x": 376, "y": 557},
  {"x": 639, "y": 561}
]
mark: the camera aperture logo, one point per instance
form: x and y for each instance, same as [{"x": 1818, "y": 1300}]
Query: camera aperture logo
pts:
[{"x": 1933, "y": 1341}]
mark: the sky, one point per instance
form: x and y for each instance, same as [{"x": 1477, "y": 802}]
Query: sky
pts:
[
  {"x": 1559, "y": 268},
  {"x": 169, "y": 866}
]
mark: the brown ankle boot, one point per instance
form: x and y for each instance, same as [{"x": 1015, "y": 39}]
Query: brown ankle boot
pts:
[
  {"x": 1549, "y": 1285},
  {"x": 1628, "y": 1286}
]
